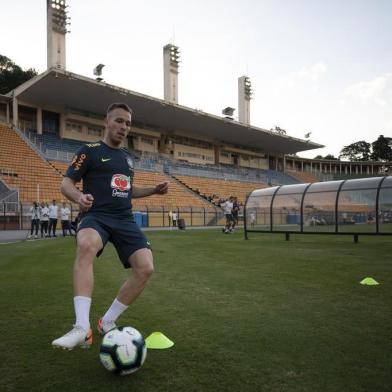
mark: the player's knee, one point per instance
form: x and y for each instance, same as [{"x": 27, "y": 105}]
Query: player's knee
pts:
[
  {"x": 87, "y": 246},
  {"x": 148, "y": 270},
  {"x": 145, "y": 271}
]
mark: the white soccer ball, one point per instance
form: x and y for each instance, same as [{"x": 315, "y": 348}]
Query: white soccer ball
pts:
[{"x": 123, "y": 350}]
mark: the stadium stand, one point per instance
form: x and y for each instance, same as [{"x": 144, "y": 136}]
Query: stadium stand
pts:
[
  {"x": 304, "y": 176},
  {"x": 229, "y": 172},
  {"x": 60, "y": 166},
  {"x": 22, "y": 168},
  {"x": 52, "y": 146},
  {"x": 196, "y": 183},
  {"x": 36, "y": 178},
  {"x": 55, "y": 148},
  {"x": 220, "y": 188},
  {"x": 353, "y": 176},
  {"x": 51, "y": 141},
  {"x": 178, "y": 197}
]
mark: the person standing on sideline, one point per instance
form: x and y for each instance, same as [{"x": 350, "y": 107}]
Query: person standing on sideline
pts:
[
  {"x": 65, "y": 224},
  {"x": 234, "y": 212},
  {"x": 44, "y": 219},
  {"x": 35, "y": 217},
  {"x": 252, "y": 216},
  {"x": 227, "y": 207},
  {"x": 53, "y": 211},
  {"x": 107, "y": 173},
  {"x": 174, "y": 217},
  {"x": 170, "y": 216}
]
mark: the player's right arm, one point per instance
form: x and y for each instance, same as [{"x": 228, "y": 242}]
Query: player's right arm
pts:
[
  {"x": 72, "y": 193},
  {"x": 74, "y": 174}
]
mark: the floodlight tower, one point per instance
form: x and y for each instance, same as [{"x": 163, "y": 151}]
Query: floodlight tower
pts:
[
  {"x": 57, "y": 22},
  {"x": 245, "y": 93},
  {"x": 171, "y": 59}
]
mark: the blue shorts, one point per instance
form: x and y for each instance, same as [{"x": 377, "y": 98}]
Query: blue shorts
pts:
[{"x": 121, "y": 231}]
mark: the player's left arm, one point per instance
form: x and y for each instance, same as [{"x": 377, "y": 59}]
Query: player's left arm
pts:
[{"x": 160, "y": 189}]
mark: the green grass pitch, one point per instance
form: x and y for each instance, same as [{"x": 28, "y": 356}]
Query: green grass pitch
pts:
[{"x": 257, "y": 315}]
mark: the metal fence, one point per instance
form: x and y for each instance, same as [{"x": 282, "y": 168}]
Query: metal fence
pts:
[{"x": 17, "y": 216}]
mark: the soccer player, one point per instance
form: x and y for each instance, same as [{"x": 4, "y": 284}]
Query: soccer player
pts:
[{"x": 107, "y": 173}]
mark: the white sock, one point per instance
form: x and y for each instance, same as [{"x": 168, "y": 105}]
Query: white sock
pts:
[
  {"x": 82, "y": 312},
  {"x": 114, "y": 312}
]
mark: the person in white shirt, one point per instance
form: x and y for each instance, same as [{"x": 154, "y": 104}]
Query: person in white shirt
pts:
[
  {"x": 53, "y": 211},
  {"x": 65, "y": 212},
  {"x": 174, "y": 217},
  {"x": 252, "y": 216},
  {"x": 227, "y": 209},
  {"x": 44, "y": 219},
  {"x": 35, "y": 217}
]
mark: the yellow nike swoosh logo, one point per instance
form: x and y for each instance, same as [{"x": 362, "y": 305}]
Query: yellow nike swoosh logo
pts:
[{"x": 105, "y": 159}]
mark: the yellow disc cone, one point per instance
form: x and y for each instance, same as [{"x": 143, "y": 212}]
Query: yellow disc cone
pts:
[
  {"x": 159, "y": 341},
  {"x": 369, "y": 282}
]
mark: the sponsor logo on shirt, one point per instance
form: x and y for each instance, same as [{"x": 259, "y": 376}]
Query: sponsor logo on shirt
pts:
[
  {"x": 77, "y": 161},
  {"x": 121, "y": 184}
]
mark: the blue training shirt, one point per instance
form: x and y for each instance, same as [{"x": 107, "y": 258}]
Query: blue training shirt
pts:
[{"x": 107, "y": 174}]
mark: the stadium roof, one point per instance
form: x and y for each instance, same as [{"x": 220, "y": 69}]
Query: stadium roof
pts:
[
  {"x": 5, "y": 98},
  {"x": 66, "y": 90}
]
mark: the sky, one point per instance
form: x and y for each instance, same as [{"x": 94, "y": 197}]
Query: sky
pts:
[{"x": 316, "y": 66}]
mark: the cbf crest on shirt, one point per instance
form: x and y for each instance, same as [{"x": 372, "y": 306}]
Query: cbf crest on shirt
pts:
[
  {"x": 130, "y": 163},
  {"x": 107, "y": 174}
]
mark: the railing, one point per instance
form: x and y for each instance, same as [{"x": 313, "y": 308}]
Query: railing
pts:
[
  {"x": 17, "y": 216},
  {"x": 11, "y": 197},
  {"x": 219, "y": 173},
  {"x": 322, "y": 176},
  {"x": 57, "y": 155},
  {"x": 8, "y": 195}
]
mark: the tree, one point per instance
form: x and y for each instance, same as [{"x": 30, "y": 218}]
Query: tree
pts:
[
  {"x": 382, "y": 150},
  {"x": 358, "y": 151},
  {"x": 11, "y": 75},
  {"x": 331, "y": 157}
]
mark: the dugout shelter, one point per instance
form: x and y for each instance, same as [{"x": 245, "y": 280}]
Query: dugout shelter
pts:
[{"x": 351, "y": 207}]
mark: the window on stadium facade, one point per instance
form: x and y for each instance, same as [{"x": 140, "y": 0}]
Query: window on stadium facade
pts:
[
  {"x": 95, "y": 131},
  {"x": 73, "y": 127}
]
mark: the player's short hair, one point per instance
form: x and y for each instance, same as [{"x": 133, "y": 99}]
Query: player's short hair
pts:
[{"x": 119, "y": 105}]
